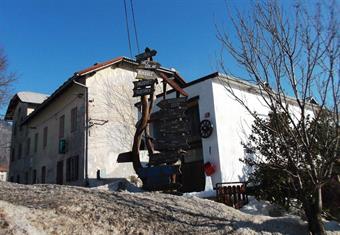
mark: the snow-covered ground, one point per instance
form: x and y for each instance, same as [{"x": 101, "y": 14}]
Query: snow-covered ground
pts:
[
  {"x": 54, "y": 209},
  {"x": 265, "y": 208}
]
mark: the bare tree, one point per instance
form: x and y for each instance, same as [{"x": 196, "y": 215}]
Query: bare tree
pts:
[
  {"x": 5, "y": 140},
  {"x": 119, "y": 102},
  {"x": 292, "y": 55},
  {"x": 6, "y": 79}
]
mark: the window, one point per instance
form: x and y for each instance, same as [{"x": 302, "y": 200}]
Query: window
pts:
[
  {"x": 18, "y": 179},
  {"x": 19, "y": 113},
  {"x": 194, "y": 119},
  {"x": 36, "y": 138},
  {"x": 34, "y": 179},
  {"x": 28, "y": 146},
  {"x": 72, "y": 168},
  {"x": 74, "y": 119},
  {"x": 14, "y": 128},
  {"x": 61, "y": 126},
  {"x": 11, "y": 179},
  {"x": 60, "y": 172},
  {"x": 45, "y": 136},
  {"x": 26, "y": 177},
  {"x": 19, "y": 118},
  {"x": 43, "y": 174},
  {"x": 19, "y": 151}
]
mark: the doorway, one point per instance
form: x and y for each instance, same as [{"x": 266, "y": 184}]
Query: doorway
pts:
[
  {"x": 193, "y": 177},
  {"x": 60, "y": 172}
]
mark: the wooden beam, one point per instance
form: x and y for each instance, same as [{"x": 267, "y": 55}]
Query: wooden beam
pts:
[{"x": 173, "y": 84}]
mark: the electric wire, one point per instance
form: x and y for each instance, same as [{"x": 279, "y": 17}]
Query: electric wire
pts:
[
  {"x": 127, "y": 28},
  {"x": 134, "y": 25}
]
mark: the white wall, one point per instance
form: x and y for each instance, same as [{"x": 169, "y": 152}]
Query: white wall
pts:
[
  {"x": 110, "y": 95},
  {"x": 233, "y": 126},
  {"x": 204, "y": 91},
  {"x": 231, "y": 123},
  {"x": 3, "y": 176}
]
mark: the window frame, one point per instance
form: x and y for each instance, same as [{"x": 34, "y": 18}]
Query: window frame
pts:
[
  {"x": 19, "y": 151},
  {"x": 62, "y": 126},
  {"x": 36, "y": 139},
  {"x": 74, "y": 119},
  {"x": 28, "y": 146},
  {"x": 72, "y": 168},
  {"x": 45, "y": 136},
  {"x": 43, "y": 174}
]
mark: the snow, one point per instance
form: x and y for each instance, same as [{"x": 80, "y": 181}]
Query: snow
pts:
[
  {"x": 55, "y": 209},
  {"x": 121, "y": 185},
  {"x": 255, "y": 207},
  {"x": 202, "y": 194},
  {"x": 32, "y": 97},
  {"x": 259, "y": 209}
]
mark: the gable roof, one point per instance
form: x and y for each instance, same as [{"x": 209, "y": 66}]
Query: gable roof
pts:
[
  {"x": 25, "y": 97},
  {"x": 31, "y": 97},
  {"x": 99, "y": 66},
  {"x": 89, "y": 70},
  {"x": 248, "y": 86}
]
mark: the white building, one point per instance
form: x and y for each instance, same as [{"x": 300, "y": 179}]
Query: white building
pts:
[
  {"x": 231, "y": 122},
  {"x": 74, "y": 135}
]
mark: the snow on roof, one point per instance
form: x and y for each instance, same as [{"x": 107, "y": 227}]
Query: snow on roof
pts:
[
  {"x": 32, "y": 97},
  {"x": 26, "y": 97}
]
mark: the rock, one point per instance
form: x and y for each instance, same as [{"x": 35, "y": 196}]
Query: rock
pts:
[{"x": 55, "y": 209}]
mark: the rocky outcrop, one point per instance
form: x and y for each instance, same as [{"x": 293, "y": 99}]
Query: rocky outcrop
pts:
[{"x": 54, "y": 209}]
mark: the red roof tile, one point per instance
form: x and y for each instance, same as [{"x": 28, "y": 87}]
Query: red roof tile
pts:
[{"x": 99, "y": 66}]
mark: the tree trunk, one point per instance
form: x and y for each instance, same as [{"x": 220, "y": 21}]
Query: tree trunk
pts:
[{"x": 313, "y": 212}]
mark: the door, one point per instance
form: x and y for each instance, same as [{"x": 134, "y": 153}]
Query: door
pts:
[
  {"x": 193, "y": 177},
  {"x": 43, "y": 175},
  {"x": 60, "y": 172}
]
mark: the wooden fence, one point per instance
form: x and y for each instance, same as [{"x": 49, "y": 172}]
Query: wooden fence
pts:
[{"x": 232, "y": 194}]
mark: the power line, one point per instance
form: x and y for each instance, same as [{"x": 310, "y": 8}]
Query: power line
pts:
[
  {"x": 127, "y": 28},
  {"x": 134, "y": 25}
]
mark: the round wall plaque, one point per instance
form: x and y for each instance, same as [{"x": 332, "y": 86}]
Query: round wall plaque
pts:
[{"x": 206, "y": 128}]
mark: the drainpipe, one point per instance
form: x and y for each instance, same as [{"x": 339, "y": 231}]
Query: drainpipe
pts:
[{"x": 86, "y": 129}]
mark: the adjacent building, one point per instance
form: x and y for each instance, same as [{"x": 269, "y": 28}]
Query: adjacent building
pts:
[
  {"x": 227, "y": 126},
  {"x": 74, "y": 135}
]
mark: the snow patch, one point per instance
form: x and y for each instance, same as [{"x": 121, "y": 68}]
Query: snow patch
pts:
[
  {"x": 255, "y": 207},
  {"x": 202, "y": 194},
  {"x": 131, "y": 184}
]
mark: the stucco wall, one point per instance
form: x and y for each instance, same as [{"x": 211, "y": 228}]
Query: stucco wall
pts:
[
  {"x": 231, "y": 123},
  {"x": 3, "y": 176},
  {"x": 112, "y": 116},
  {"x": 49, "y": 156},
  {"x": 233, "y": 126}
]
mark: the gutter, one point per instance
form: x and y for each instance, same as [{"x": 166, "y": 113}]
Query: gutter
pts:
[{"x": 86, "y": 129}]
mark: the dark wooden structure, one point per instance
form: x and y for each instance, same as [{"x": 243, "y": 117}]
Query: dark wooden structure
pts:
[
  {"x": 163, "y": 166},
  {"x": 232, "y": 194}
]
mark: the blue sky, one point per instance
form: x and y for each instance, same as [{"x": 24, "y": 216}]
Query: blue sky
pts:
[{"x": 46, "y": 41}]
